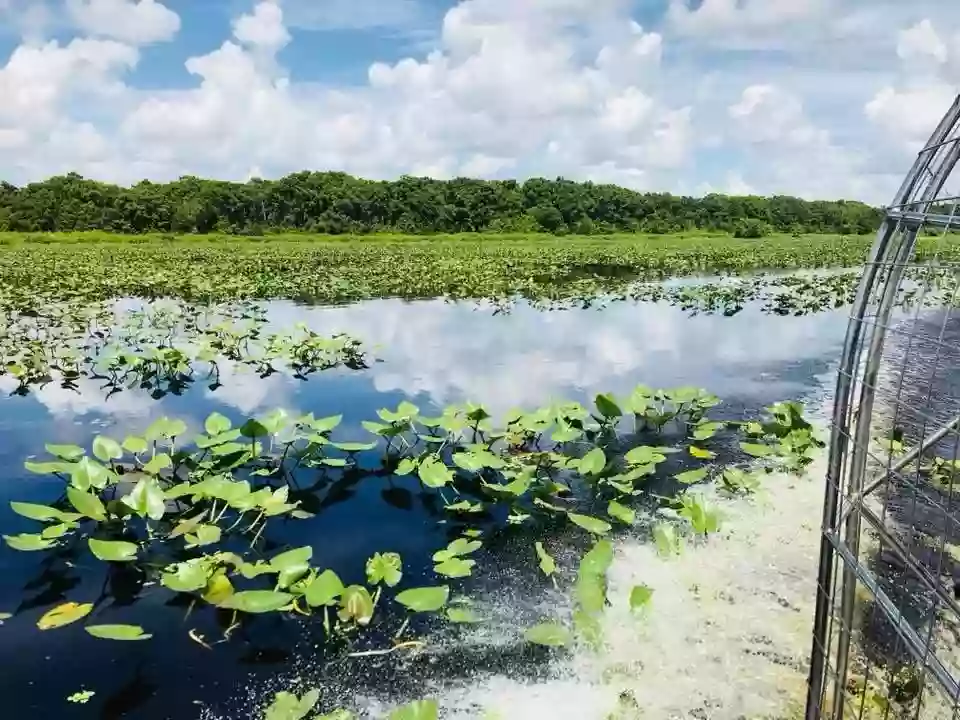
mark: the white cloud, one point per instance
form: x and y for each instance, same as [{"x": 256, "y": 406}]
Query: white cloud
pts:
[
  {"x": 138, "y": 22},
  {"x": 263, "y": 28},
  {"x": 545, "y": 87},
  {"x": 907, "y": 109},
  {"x": 921, "y": 42}
]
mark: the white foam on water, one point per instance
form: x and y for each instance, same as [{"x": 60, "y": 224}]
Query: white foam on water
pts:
[{"x": 727, "y": 634}]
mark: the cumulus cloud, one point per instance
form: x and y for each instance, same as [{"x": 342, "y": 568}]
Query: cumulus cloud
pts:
[
  {"x": 546, "y": 87},
  {"x": 138, "y": 22},
  {"x": 907, "y": 109}
]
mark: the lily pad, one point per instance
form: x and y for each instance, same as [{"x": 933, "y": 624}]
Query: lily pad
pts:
[
  {"x": 68, "y": 612},
  {"x": 118, "y": 632}
]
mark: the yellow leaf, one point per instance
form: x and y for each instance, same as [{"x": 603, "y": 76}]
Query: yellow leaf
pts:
[
  {"x": 702, "y": 453},
  {"x": 64, "y": 614},
  {"x": 218, "y": 589}
]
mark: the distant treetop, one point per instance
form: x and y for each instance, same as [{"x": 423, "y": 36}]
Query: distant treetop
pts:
[{"x": 334, "y": 202}]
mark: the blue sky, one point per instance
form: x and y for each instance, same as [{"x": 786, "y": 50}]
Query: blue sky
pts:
[{"x": 820, "y": 98}]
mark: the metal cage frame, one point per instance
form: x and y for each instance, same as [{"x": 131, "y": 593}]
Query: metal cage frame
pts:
[{"x": 854, "y": 483}]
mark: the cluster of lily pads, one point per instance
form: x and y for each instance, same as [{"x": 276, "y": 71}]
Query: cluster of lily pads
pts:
[
  {"x": 192, "y": 516},
  {"x": 161, "y": 347},
  {"x": 164, "y": 346},
  {"x": 324, "y": 270}
]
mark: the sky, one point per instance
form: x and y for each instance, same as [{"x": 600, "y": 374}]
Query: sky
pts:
[{"x": 816, "y": 98}]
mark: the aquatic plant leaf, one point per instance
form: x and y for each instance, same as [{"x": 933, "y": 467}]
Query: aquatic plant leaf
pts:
[
  {"x": 337, "y": 715},
  {"x": 35, "y": 512},
  {"x": 434, "y": 473},
  {"x": 691, "y": 476},
  {"x": 621, "y": 512},
  {"x": 106, "y": 449},
  {"x": 51, "y": 532},
  {"x": 218, "y": 589},
  {"x": 324, "y": 589},
  {"x": 160, "y": 461},
  {"x": 565, "y": 433},
  {"x": 164, "y": 427},
  {"x": 376, "y": 428},
  {"x": 70, "y": 453},
  {"x": 593, "y": 462},
  {"x": 607, "y": 406},
  {"x": 87, "y": 504},
  {"x": 276, "y": 503},
  {"x": 253, "y": 429},
  {"x": 258, "y": 601},
  {"x": 406, "y": 466},
  {"x": 460, "y": 546},
  {"x": 325, "y": 425},
  {"x": 455, "y": 567},
  {"x": 146, "y": 499},
  {"x": 463, "y": 615},
  {"x": 386, "y": 568},
  {"x": 756, "y": 450},
  {"x": 356, "y": 604},
  {"x": 640, "y": 596},
  {"x": 644, "y": 455},
  {"x": 354, "y": 447},
  {"x": 705, "y": 431},
  {"x": 291, "y": 565},
  {"x": 275, "y": 421},
  {"x": 26, "y": 542},
  {"x": 590, "y": 524},
  {"x": 135, "y": 445},
  {"x": 203, "y": 535},
  {"x": 465, "y": 506},
  {"x": 185, "y": 576},
  {"x": 547, "y": 564},
  {"x": 597, "y": 560},
  {"x": 113, "y": 550},
  {"x": 701, "y": 453},
  {"x": 48, "y": 468},
  {"x": 548, "y": 634},
  {"x": 424, "y": 599},
  {"x": 88, "y": 473},
  {"x": 5, "y": 616},
  {"x": 666, "y": 539},
  {"x": 417, "y": 710},
  {"x": 118, "y": 632},
  {"x": 287, "y": 706},
  {"x": 215, "y": 424},
  {"x": 586, "y": 625},
  {"x": 64, "y": 614}
]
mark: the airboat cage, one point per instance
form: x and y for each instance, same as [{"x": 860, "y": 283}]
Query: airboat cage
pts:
[{"x": 886, "y": 635}]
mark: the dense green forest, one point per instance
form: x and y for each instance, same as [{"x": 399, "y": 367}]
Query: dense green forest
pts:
[{"x": 333, "y": 202}]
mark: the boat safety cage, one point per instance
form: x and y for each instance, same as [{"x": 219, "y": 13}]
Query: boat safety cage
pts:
[{"x": 886, "y": 635}]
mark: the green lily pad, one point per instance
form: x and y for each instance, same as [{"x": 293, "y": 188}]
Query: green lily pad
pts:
[
  {"x": 113, "y": 550},
  {"x": 424, "y": 599},
  {"x": 118, "y": 632}
]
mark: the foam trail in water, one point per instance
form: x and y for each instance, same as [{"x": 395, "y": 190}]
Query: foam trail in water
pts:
[{"x": 727, "y": 634}]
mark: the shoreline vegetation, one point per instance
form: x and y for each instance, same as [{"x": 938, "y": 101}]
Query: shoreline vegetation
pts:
[
  {"x": 39, "y": 268},
  {"x": 336, "y": 203}
]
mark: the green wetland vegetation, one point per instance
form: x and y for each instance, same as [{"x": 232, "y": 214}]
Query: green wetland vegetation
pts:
[{"x": 230, "y": 524}]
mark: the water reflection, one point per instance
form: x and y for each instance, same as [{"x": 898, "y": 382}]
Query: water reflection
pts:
[{"x": 431, "y": 352}]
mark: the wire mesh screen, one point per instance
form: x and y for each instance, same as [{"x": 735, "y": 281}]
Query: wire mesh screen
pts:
[{"x": 887, "y": 625}]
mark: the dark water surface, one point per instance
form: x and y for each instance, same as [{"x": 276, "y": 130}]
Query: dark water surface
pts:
[{"x": 432, "y": 353}]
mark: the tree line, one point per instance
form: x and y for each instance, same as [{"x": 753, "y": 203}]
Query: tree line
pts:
[{"x": 334, "y": 202}]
